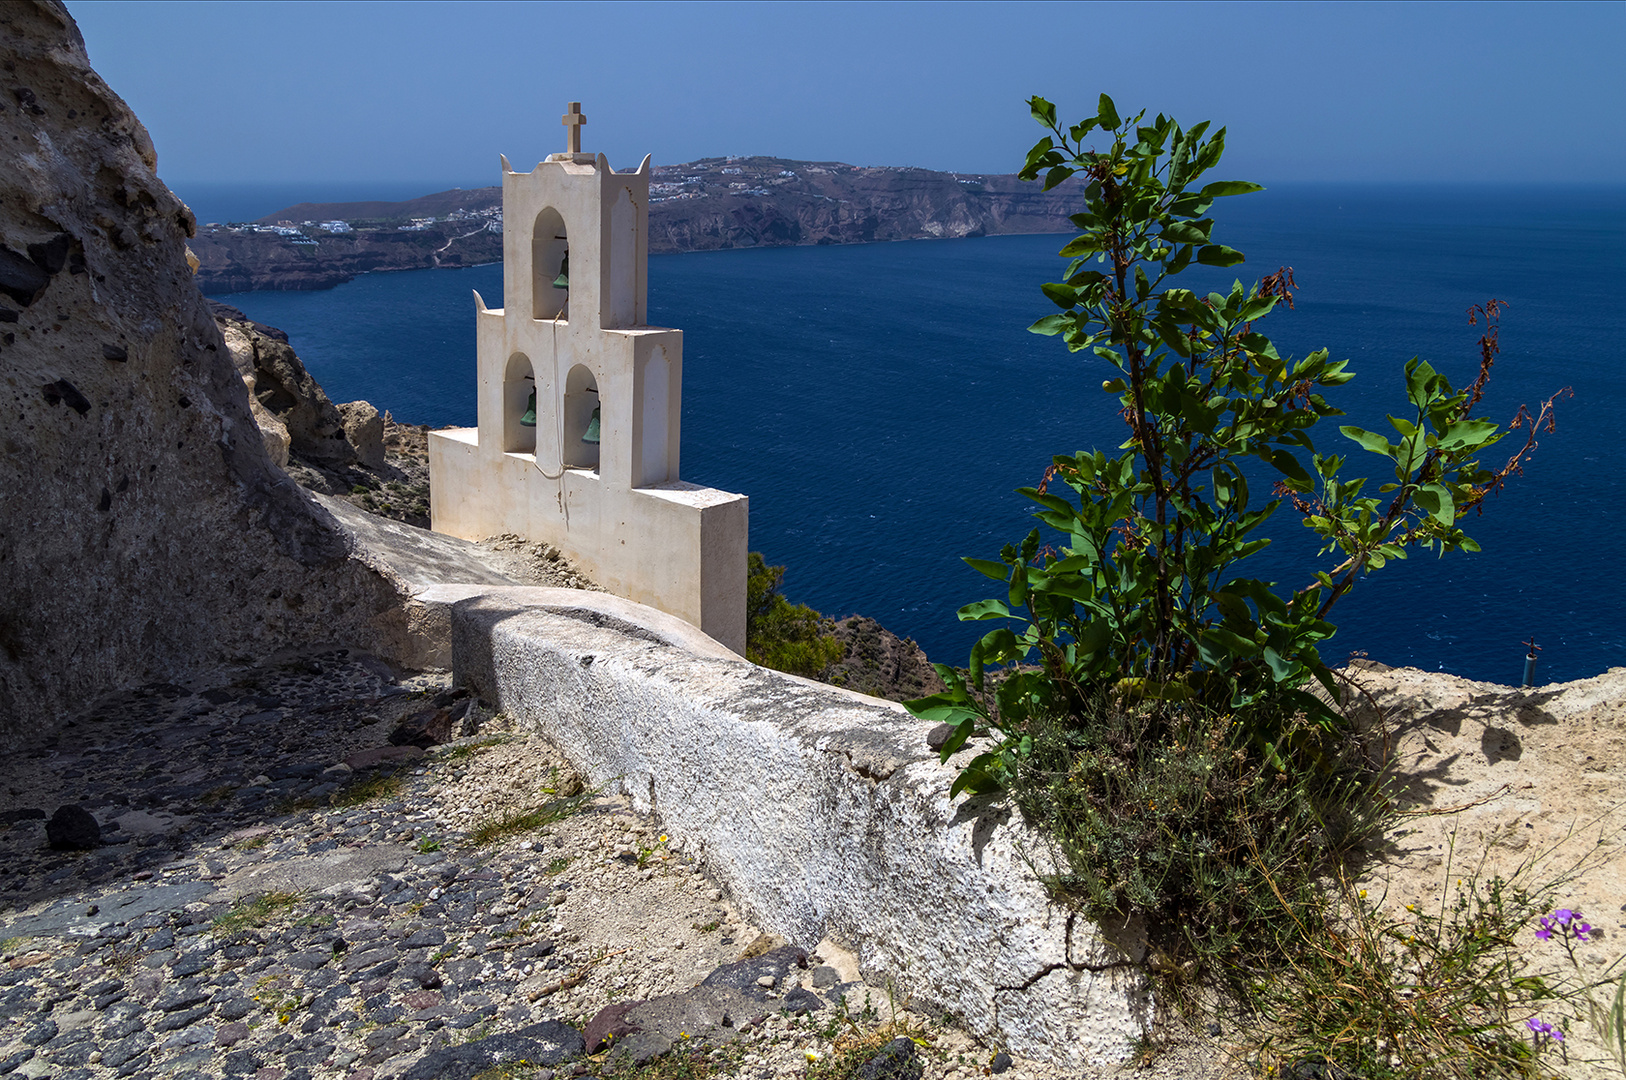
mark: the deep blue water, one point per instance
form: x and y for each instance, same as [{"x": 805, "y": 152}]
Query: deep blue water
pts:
[{"x": 879, "y": 403}]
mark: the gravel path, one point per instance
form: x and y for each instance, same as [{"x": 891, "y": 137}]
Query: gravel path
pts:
[{"x": 271, "y": 888}]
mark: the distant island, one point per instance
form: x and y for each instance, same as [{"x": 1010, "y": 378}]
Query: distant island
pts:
[{"x": 706, "y": 205}]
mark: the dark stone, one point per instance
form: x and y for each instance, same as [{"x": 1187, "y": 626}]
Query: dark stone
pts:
[
  {"x": 11, "y": 817},
  {"x": 474, "y": 1016},
  {"x": 190, "y": 964},
  {"x": 382, "y": 755},
  {"x": 1215, "y": 1030},
  {"x": 20, "y": 278},
  {"x": 545, "y": 1044},
  {"x": 241, "y": 1062},
  {"x": 177, "y": 1020},
  {"x": 44, "y": 1031},
  {"x": 118, "y": 1053},
  {"x": 1001, "y": 1062},
  {"x": 116, "y": 353},
  {"x": 425, "y": 728},
  {"x": 162, "y": 938},
  {"x": 609, "y": 1023},
  {"x": 742, "y": 975},
  {"x": 309, "y": 960},
  {"x": 422, "y": 974},
  {"x": 1317, "y": 1068},
  {"x": 77, "y": 1054},
  {"x": 802, "y": 1001},
  {"x": 896, "y": 1061},
  {"x": 375, "y": 1039},
  {"x": 51, "y": 255},
  {"x": 379, "y": 971},
  {"x": 10, "y": 1062},
  {"x": 182, "y": 996},
  {"x": 308, "y": 771},
  {"x": 373, "y": 954},
  {"x": 825, "y": 977},
  {"x": 64, "y": 391},
  {"x": 938, "y": 735},
  {"x": 8, "y": 315},
  {"x": 73, "y": 828},
  {"x": 424, "y": 939},
  {"x": 119, "y": 1029}
]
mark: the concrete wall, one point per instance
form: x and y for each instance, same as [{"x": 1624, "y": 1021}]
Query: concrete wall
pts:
[{"x": 822, "y": 811}]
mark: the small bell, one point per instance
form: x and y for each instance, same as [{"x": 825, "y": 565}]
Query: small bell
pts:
[
  {"x": 529, "y": 419},
  {"x": 563, "y": 280},
  {"x": 591, "y": 434}
]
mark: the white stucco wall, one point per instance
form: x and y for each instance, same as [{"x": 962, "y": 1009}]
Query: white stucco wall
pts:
[{"x": 822, "y": 811}]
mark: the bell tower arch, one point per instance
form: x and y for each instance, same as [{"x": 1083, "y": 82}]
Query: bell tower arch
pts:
[{"x": 580, "y": 404}]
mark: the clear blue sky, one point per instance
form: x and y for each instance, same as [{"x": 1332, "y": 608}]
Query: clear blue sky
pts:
[{"x": 403, "y": 92}]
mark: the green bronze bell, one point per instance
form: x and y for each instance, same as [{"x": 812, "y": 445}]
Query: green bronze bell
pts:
[
  {"x": 529, "y": 419},
  {"x": 591, "y": 434},
  {"x": 563, "y": 280}
]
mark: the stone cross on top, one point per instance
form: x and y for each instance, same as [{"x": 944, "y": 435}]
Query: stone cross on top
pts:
[{"x": 573, "y": 121}]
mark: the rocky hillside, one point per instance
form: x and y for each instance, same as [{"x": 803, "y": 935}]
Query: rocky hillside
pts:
[
  {"x": 706, "y": 205},
  {"x": 144, "y": 530}
]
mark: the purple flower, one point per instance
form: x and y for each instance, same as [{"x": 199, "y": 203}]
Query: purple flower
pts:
[
  {"x": 1568, "y": 923},
  {"x": 1542, "y": 1028}
]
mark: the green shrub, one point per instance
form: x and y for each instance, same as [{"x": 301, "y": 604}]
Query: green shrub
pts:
[
  {"x": 1220, "y": 854},
  {"x": 1140, "y": 594},
  {"x": 778, "y": 634}
]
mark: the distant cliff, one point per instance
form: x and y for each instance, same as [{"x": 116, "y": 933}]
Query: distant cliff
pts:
[{"x": 706, "y": 205}]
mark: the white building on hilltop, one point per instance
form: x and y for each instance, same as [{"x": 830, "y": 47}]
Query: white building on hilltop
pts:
[{"x": 580, "y": 405}]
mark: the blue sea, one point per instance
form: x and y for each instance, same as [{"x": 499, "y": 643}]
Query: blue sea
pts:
[{"x": 879, "y": 403}]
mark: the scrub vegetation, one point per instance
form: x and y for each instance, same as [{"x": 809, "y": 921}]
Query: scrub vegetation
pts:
[
  {"x": 1165, "y": 716},
  {"x": 779, "y": 634}
]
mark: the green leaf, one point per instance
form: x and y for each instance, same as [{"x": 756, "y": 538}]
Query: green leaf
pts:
[
  {"x": 1051, "y": 325},
  {"x": 997, "y": 570},
  {"x": 1063, "y": 296},
  {"x": 984, "y": 609},
  {"x": 1043, "y": 111},
  {"x": 1106, "y": 113},
  {"x": 1289, "y": 466},
  {"x": 977, "y": 780},
  {"x": 1468, "y": 433},
  {"x": 1280, "y": 668},
  {"x": 1219, "y": 255},
  {"x": 1083, "y": 245},
  {"x": 1437, "y": 500},
  {"x": 1221, "y": 188},
  {"x": 1369, "y": 440},
  {"x": 1096, "y": 635},
  {"x": 1187, "y": 232}
]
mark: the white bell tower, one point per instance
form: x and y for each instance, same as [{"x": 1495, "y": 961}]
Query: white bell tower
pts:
[{"x": 572, "y": 332}]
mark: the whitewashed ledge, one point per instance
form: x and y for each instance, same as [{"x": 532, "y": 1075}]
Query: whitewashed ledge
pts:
[{"x": 821, "y": 811}]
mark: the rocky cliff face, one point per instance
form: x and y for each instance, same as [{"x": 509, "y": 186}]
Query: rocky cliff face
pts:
[{"x": 144, "y": 532}]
